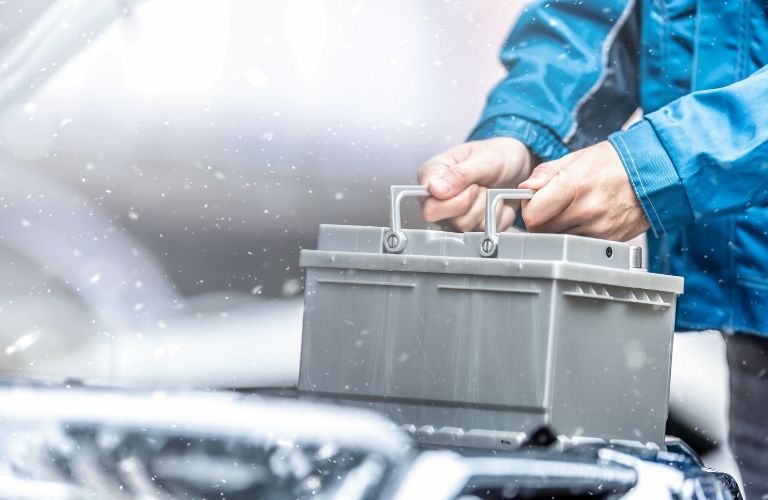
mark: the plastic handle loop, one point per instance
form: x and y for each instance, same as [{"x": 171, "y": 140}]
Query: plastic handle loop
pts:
[
  {"x": 394, "y": 239},
  {"x": 490, "y": 242}
]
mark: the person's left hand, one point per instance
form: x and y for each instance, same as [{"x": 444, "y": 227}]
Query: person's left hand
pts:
[{"x": 586, "y": 192}]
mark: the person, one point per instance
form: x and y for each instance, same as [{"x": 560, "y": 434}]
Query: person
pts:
[{"x": 693, "y": 171}]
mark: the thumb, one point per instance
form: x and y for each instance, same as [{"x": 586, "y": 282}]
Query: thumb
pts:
[
  {"x": 542, "y": 174},
  {"x": 450, "y": 180}
]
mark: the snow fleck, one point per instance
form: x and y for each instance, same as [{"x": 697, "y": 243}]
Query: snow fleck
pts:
[
  {"x": 291, "y": 287},
  {"x": 95, "y": 278},
  {"x": 25, "y": 223},
  {"x": 338, "y": 196},
  {"x": 30, "y": 107},
  {"x": 129, "y": 464},
  {"x": 634, "y": 356},
  {"x": 327, "y": 451},
  {"x": 132, "y": 215},
  {"x": 23, "y": 343}
]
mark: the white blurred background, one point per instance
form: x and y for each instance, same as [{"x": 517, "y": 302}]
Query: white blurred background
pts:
[{"x": 163, "y": 161}]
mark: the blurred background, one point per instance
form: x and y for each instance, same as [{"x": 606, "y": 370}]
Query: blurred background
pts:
[{"x": 162, "y": 162}]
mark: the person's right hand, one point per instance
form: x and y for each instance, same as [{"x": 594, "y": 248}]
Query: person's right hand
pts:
[{"x": 459, "y": 178}]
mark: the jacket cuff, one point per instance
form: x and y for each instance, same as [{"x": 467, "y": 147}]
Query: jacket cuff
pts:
[
  {"x": 653, "y": 176},
  {"x": 539, "y": 139}
]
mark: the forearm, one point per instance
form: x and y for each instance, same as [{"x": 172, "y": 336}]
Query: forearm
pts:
[
  {"x": 572, "y": 76},
  {"x": 701, "y": 156}
]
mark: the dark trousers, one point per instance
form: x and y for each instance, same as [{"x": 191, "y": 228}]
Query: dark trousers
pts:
[{"x": 748, "y": 363}]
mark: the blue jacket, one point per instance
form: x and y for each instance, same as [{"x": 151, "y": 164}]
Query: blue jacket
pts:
[{"x": 698, "y": 160}]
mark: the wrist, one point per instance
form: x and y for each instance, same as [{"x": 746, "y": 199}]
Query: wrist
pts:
[
  {"x": 659, "y": 189},
  {"x": 513, "y": 156},
  {"x": 541, "y": 141}
]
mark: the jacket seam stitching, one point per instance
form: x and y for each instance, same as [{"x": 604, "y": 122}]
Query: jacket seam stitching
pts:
[
  {"x": 739, "y": 48},
  {"x": 628, "y": 155},
  {"x": 664, "y": 42},
  {"x": 741, "y": 67}
]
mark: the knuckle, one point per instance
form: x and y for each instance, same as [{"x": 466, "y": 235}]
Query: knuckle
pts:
[
  {"x": 459, "y": 174},
  {"x": 591, "y": 208},
  {"x": 531, "y": 221},
  {"x": 443, "y": 158},
  {"x": 547, "y": 169},
  {"x": 429, "y": 170}
]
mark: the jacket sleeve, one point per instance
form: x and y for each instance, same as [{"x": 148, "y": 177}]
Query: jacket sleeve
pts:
[
  {"x": 572, "y": 76},
  {"x": 701, "y": 156}
]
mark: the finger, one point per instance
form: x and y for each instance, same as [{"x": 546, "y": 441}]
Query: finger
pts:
[
  {"x": 559, "y": 224},
  {"x": 548, "y": 202},
  {"x": 506, "y": 219},
  {"x": 431, "y": 172},
  {"x": 431, "y": 175},
  {"x": 582, "y": 230},
  {"x": 452, "y": 156},
  {"x": 434, "y": 209},
  {"x": 483, "y": 168},
  {"x": 473, "y": 219},
  {"x": 595, "y": 229},
  {"x": 542, "y": 175},
  {"x": 445, "y": 181}
]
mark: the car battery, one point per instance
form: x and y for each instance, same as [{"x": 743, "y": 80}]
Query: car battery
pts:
[{"x": 488, "y": 335}]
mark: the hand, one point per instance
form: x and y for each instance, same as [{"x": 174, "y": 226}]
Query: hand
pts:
[
  {"x": 586, "y": 192},
  {"x": 459, "y": 178}
]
